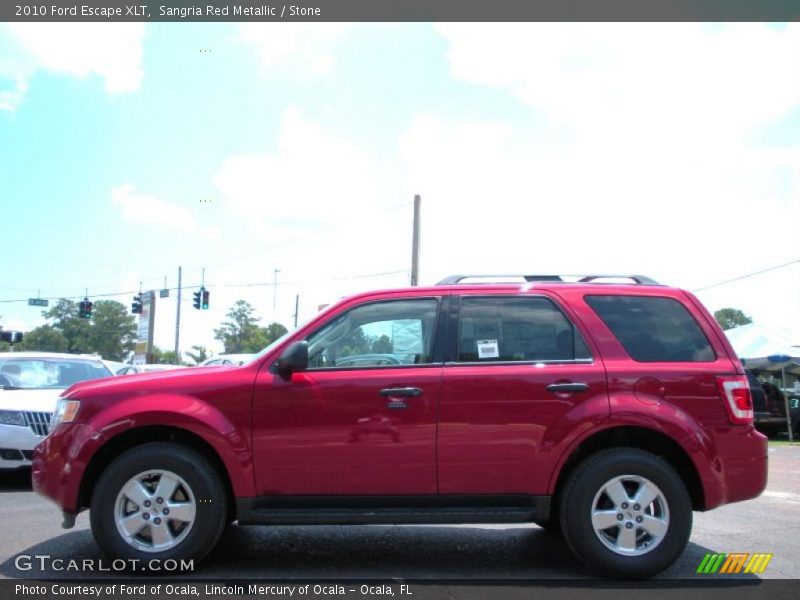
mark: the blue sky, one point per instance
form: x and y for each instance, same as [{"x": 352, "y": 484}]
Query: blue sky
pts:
[{"x": 129, "y": 149}]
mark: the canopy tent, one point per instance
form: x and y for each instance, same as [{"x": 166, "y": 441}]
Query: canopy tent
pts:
[{"x": 754, "y": 344}]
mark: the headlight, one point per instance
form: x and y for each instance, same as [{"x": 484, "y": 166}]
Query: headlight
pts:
[
  {"x": 12, "y": 417},
  {"x": 65, "y": 412}
]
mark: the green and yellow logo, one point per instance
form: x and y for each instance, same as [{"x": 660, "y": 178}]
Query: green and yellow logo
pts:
[{"x": 734, "y": 562}]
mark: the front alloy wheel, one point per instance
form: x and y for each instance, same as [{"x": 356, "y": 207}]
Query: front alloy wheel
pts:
[
  {"x": 159, "y": 501},
  {"x": 155, "y": 511}
]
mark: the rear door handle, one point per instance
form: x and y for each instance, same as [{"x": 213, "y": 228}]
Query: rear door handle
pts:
[
  {"x": 406, "y": 391},
  {"x": 566, "y": 388}
]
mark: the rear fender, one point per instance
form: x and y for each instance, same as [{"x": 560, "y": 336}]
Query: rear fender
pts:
[{"x": 672, "y": 422}]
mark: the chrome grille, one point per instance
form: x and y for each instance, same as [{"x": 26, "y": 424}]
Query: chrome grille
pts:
[{"x": 39, "y": 422}]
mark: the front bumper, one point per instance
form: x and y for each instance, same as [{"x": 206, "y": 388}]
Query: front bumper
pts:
[
  {"x": 16, "y": 446},
  {"x": 60, "y": 461}
]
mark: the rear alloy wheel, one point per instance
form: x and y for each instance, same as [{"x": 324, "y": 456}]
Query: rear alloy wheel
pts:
[
  {"x": 630, "y": 515},
  {"x": 626, "y": 513},
  {"x": 158, "y": 501}
]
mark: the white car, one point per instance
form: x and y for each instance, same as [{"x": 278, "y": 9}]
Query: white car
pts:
[
  {"x": 30, "y": 384},
  {"x": 135, "y": 369},
  {"x": 227, "y": 359},
  {"x": 113, "y": 365}
]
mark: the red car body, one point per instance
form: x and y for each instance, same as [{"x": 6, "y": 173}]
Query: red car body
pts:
[{"x": 478, "y": 430}]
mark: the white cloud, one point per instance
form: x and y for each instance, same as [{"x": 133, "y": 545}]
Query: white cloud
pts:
[
  {"x": 679, "y": 84},
  {"x": 647, "y": 163},
  {"x": 15, "y": 324},
  {"x": 314, "y": 208},
  {"x": 144, "y": 209},
  {"x": 111, "y": 51},
  {"x": 294, "y": 48},
  {"x": 10, "y": 99},
  {"x": 313, "y": 177}
]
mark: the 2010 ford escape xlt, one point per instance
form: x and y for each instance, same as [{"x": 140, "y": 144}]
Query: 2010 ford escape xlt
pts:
[{"x": 609, "y": 411}]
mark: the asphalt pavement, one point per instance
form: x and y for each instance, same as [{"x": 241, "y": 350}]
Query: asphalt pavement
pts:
[{"x": 30, "y": 525}]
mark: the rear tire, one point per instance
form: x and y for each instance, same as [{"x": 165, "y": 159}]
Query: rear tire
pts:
[
  {"x": 626, "y": 513},
  {"x": 158, "y": 501}
]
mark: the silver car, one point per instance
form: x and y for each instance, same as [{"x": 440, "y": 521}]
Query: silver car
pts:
[{"x": 30, "y": 384}]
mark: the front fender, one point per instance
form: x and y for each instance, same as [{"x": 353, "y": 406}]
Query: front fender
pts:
[{"x": 231, "y": 443}]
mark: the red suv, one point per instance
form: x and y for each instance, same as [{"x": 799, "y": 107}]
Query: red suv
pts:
[{"x": 606, "y": 410}]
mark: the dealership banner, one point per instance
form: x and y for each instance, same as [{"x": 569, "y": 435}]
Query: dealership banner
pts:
[
  {"x": 174, "y": 589},
  {"x": 401, "y": 10}
]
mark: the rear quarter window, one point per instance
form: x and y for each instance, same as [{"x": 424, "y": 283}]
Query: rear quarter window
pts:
[{"x": 653, "y": 329}]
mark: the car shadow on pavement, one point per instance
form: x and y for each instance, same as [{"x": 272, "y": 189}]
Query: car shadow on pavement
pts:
[
  {"x": 464, "y": 554},
  {"x": 381, "y": 551},
  {"x": 18, "y": 480}
]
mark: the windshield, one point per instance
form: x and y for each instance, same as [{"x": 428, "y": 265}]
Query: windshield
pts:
[{"x": 44, "y": 374}]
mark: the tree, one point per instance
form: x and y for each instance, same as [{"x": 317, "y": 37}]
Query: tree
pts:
[
  {"x": 382, "y": 345},
  {"x": 728, "y": 318},
  {"x": 199, "y": 355},
  {"x": 63, "y": 317},
  {"x": 112, "y": 333},
  {"x": 164, "y": 357},
  {"x": 45, "y": 338},
  {"x": 273, "y": 331},
  {"x": 241, "y": 333},
  {"x": 4, "y": 346}
]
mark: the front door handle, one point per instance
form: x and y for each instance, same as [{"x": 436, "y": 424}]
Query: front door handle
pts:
[
  {"x": 405, "y": 391},
  {"x": 567, "y": 388}
]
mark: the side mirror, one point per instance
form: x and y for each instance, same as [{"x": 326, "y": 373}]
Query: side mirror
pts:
[{"x": 294, "y": 358}]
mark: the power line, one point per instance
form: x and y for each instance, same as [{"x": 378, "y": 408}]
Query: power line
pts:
[
  {"x": 221, "y": 285},
  {"x": 767, "y": 270}
]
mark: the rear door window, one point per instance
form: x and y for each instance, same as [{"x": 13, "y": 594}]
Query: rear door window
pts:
[
  {"x": 517, "y": 329},
  {"x": 653, "y": 329}
]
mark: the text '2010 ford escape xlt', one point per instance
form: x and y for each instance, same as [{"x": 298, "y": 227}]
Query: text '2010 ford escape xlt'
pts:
[{"x": 607, "y": 410}]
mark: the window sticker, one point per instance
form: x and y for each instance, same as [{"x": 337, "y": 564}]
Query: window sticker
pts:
[{"x": 488, "y": 349}]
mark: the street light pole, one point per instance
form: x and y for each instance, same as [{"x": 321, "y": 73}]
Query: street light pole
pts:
[{"x": 178, "y": 319}]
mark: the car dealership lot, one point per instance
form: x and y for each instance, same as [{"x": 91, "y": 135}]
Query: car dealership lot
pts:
[{"x": 769, "y": 524}]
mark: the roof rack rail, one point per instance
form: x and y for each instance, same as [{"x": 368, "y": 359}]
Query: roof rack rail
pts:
[{"x": 638, "y": 279}]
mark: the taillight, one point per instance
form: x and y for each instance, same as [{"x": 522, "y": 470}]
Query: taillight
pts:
[{"x": 736, "y": 398}]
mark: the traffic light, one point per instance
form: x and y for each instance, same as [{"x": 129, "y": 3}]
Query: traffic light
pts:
[
  {"x": 85, "y": 309},
  {"x": 136, "y": 307},
  {"x": 197, "y": 298},
  {"x": 205, "y": 299},
  {"x": 12, "y": 337}
]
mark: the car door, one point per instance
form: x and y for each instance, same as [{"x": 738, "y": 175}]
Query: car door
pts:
[
  {"x": 361, "y": 420},
  {"x": 518, "y": 378}
]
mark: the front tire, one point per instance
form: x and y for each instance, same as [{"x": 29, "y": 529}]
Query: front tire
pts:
[
  {"x": 158, "y": 501},
  {"x": 626, "y": 513}
]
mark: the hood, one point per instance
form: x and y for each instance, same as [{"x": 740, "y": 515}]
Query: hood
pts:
[
  {"x": 173, "y": 378},
  {"x": 33, "y": 400}
]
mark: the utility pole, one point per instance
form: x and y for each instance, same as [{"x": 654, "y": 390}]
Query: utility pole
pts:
[
  {"x": 296, "y": 308},
  {"x": 275, "y": 295},
  {"x": 415, "y": 244},
  {"x": 178, "y": 320}
]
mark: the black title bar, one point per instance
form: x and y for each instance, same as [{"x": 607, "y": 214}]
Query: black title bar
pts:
[{"x": 401, "y": 10}]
